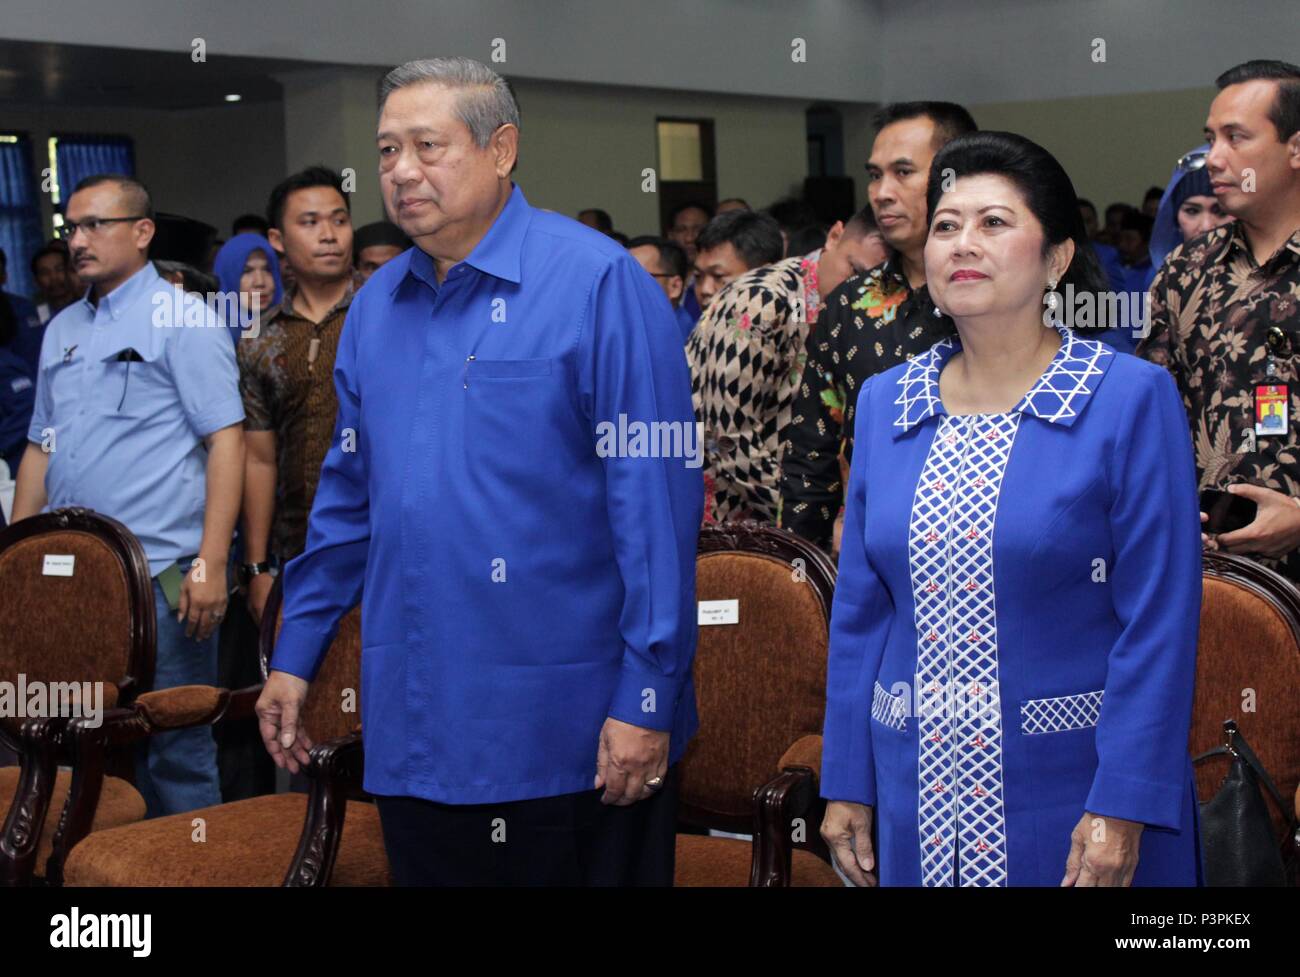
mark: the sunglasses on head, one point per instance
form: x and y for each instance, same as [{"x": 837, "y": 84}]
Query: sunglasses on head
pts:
[{"x": 1193, "y": 160}]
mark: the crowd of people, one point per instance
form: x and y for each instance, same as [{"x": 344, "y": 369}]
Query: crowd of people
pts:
[{"x": 880, "y": 383}]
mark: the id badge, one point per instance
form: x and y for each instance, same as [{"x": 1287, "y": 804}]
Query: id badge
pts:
[{"x": 1271, "y": 409}]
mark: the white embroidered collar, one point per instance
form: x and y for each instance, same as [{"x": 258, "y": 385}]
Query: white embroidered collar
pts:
[{"x": 1058, "y": 397}]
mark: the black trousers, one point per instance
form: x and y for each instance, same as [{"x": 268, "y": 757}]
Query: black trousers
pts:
[
  {"x": 569, "y": 840},
  {"x": 245, "y": 767}
]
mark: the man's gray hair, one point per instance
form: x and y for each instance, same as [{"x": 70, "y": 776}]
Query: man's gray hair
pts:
[{"x": 485, "y": 103}]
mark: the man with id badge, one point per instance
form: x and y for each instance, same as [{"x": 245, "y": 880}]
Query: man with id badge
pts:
[
  {"x": 1225, "y": 320},
  {"x": 138, "y": 417}
]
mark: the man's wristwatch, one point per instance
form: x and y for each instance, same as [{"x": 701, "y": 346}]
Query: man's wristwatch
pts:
[{"x": 247, "y": 571}]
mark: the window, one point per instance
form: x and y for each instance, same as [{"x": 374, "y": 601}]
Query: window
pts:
[
  {"x": 20, "y": 211},
  {"x": 680, "y": 151},
  {"x": 687, "y": 165},
  {"x": 73, "y": 158}
]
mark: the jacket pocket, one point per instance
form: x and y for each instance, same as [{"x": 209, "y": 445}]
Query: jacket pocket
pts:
[
  {"x": 888, "y": 710},
  {"x": 1061, "y": 713}
]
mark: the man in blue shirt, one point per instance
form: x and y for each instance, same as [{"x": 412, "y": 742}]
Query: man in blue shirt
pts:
[
  {"x": 17, "y": 395},
  {"x": 513, "y": 494},
  {"x": 138, "y": 417},
  {"x": 28, "y": 327}
]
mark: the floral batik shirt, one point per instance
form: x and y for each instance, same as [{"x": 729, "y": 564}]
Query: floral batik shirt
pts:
[
  {"x": 286, "y": 380},
  {"x": 870, "y": 323},
  {"x": 1213, "y": 308}
]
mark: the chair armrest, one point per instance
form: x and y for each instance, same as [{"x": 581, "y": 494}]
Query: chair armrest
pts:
[
  {"x": 165, "y": 710},
  {"x": 182, "y": 706},
  {"x": 789, "y": 797},
  {"x": 155, "y": 712},
  {"x": 339, "y": 761},
  {"x": 805, "y": 754},
  {"x": 38, "y": 743},
  {"x": 337, "y": 769}
]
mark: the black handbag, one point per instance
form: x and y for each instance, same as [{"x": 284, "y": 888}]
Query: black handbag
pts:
[{"x": 1237, "y": 841}]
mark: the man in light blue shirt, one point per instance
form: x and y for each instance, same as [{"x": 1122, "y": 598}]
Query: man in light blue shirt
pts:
[
  {"x": 138, "y": 416},
  {"x": 514, "y": 494}
]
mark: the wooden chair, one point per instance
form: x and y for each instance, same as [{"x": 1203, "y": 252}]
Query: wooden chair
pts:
[
  {"x": 328, "y": 837},
  {"x": 761, "y": 687},
  {"x": 1248, "y": 670},
  {"x": 78, "y": 608}
]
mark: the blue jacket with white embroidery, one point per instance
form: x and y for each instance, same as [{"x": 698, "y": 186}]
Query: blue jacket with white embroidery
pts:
[{"x": 1013, "y": 639}]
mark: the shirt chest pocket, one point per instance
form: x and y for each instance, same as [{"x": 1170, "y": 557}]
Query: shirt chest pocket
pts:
[
  {"x": 477, "y": 369},
  {"x": 512, "y": 408},
  {"x": 133, "y": 384}
]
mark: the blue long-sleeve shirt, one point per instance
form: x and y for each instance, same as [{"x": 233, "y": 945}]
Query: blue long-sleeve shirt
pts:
[{"x": 520, "y": 578}]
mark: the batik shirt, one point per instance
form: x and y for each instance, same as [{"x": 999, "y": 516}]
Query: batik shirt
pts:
[
  {"x": 1212, "y": 308},
  {"x": 746, "y": 359},
  {"x": 286, "y": 380},
  {"x": 870, "y": 323}
]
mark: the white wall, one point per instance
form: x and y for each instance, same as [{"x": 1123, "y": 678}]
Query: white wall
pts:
[
  {"x": 581, "y": 148},
  {"x": 1113, "y": 146},
  {"x": 974, "y": 51},
  {"x": 977, "y": 51},
  {"x": 739, "y": 46}
]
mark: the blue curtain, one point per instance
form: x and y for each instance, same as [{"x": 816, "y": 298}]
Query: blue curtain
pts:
[
  {"x": 78, "y": 157},
  {"x": 20, "y": 214}
]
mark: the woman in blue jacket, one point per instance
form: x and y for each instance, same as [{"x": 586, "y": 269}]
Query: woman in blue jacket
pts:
[{"x": 1013, "y": 639}]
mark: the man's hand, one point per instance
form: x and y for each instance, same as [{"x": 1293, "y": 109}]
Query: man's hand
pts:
[
  {"x": 627, "y": 757},
  {"x": 202, "y": 604},
  {"x": 278, "y": 710},
  {"x": 1207, "y": 541},
  {"x": 1103, "y": 852},
  {"x": 846, "y": 829},
  {"x": 1275, "y": 531},
  {"x": 259, "y": 589}
]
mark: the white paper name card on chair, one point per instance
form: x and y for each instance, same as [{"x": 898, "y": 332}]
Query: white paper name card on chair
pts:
[
  {"x": 719, "y": 612},
  {"x": 58, "y": 565}
]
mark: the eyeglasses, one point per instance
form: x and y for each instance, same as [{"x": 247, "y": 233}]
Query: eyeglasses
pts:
[
  {"x": 1194, "y": 160},
  {"x": 90, "y": 225}
]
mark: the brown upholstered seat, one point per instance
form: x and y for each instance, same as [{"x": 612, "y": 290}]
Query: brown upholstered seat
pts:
[
  {"x": 90, "y": 622},
  {"x": 703, "y": 861},
  {"x": 279, "y": 839},
  {"x": 119, "y": 803},
  {"x": 760, "y": 686},
  {"x": 1248, "y": 670},
  {"x": 246, "y": 843}
]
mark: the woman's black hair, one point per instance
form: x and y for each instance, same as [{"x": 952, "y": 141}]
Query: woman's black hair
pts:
[{"x": 1043, "y": 183}]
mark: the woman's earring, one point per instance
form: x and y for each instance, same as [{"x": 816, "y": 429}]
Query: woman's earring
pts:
[
  {"x": 937, "y": 314},
  {"x": 1051, "y": 296}
]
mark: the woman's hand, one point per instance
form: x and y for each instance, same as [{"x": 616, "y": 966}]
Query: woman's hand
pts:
[
  {"x": 846, "y": 829},
  {"x": 1103, "y": 852}
]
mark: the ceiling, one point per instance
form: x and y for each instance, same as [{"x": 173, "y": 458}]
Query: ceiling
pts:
[{"x": 37, "y": 73}]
